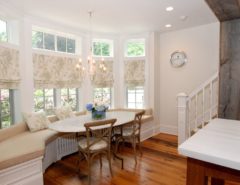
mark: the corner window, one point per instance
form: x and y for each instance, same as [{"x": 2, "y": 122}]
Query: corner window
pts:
[
  {"x": 44, "y": 99},
  {"x": 70, "y": 97},
  {"x": 135, "y": 48},
  {"x": 3, "y": 31},
  {"x": 135, "y": 97},
  {"x": 103, "y": 95},
  {"x": 103, "y": 48},
  {"x": 6, "y": 108}
]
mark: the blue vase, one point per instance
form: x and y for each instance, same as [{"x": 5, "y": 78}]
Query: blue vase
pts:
[{"x": 98, "y": 114}]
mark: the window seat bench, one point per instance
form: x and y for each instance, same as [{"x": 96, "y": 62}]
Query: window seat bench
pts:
[{"x": 25, "y": 155}]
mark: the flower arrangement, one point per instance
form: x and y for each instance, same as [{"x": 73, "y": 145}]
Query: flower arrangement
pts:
[{"x": 98, "y": 111}]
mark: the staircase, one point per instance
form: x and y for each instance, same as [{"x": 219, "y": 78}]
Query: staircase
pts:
[{"x": 198, "y": 108}]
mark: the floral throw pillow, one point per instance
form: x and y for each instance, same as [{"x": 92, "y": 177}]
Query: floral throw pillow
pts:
[
  {"x": 64, "y": 112},
  {"x": 36, "y": 121}
]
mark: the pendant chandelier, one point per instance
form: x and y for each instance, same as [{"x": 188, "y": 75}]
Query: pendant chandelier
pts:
[{"x": 92, "y": 64}]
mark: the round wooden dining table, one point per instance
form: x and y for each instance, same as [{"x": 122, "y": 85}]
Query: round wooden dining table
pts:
[{"x": 76, "y": 124}]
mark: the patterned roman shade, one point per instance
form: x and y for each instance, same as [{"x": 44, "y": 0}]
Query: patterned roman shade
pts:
[
  {"x": 103, "y": 78},
  {"x": 134, "y": 73},
  {"x": 56, "y": 72},
  {"x": 9, "y": 68}
]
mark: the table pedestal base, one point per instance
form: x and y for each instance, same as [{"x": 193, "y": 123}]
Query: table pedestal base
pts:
[{"x": 198, "y": 173}]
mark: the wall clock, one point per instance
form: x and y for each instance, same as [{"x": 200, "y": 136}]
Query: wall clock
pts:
[{"x": 178, "y": 59}]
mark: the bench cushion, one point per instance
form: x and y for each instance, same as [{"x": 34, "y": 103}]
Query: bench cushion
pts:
[
  {"x": 24, "y": 147},
  {"x": 12, "y": 131}
]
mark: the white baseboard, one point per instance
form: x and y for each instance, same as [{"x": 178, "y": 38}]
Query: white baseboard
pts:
[
  {"x": 147, "y": 134},
  {"x": 173, "y": 130}
]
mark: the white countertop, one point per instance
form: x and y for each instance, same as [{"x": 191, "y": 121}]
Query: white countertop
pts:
[
  {"x": 217, "y": 143},
  {"x": 76, "y": 124}
]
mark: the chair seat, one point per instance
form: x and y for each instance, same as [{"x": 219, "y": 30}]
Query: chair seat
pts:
[
  {"x": 97, "y": 146},
  {"x": 127, "y": 131}
]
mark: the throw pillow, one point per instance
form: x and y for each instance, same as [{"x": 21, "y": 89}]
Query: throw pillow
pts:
[
  {"x": 64, "y": 112},
  {"x": 36, "y": 120}
]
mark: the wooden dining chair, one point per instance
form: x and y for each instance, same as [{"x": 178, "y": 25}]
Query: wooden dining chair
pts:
[
  {"x": 97, "y": 142},
  {"x": 132, "y": 133}
]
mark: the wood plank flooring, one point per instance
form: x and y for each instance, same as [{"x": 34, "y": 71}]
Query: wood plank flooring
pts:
[{"x": 160, "y": 164}]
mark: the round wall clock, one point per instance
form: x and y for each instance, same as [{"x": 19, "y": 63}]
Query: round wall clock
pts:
[{"x": 178, "y": 59}]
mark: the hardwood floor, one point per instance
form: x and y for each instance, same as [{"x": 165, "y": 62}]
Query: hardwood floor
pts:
[{"x": 160, "y": 164}]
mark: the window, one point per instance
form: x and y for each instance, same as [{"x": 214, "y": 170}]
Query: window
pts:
[
  {"x": 103, "y": 48},
  {"x": 135, "y": 97},
  {"x": 37, "y": 39},
  {"x": 6, "y": 108},
  {"x": 135, "y": 48},
  {"x": 71, "y": 45},
  {"x": 49, "y": 41},
  {"x": 103, "y": 95},
  {"x": 44, "y": 99},
  {"x": 53, "y": 42},
  {"x": 3, "y": 31},
  {"x": 70, "y": 97}
]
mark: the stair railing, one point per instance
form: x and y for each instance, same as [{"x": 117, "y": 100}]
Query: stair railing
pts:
[{"x": 198, "y": 108}]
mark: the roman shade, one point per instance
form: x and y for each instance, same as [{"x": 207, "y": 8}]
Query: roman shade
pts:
[
  {"x": 134, "y": 72},
  {"x": 103, "y": 78},
  {"x": 52, "y": 71},
  {"x": 9, "y": 67}
]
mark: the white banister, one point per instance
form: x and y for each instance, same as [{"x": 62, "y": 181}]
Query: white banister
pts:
[
  {"x": 191, "y": 116},
  {"x": 182, "y": 117}
]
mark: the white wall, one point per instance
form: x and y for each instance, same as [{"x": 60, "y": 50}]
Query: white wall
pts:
[{"x": 201, "y": 45}]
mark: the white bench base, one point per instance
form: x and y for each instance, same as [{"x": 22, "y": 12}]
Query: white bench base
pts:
[{"x": 27, "y": 173}]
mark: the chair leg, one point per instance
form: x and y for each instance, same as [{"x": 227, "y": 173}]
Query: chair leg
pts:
[
  {"x": 109, "y": 162},
  {"x": 134, "y": 149},
  {"x": 89, "y": 170},
  {"x": 139, "y": 145},
  {"x": 100, "y": 160}
]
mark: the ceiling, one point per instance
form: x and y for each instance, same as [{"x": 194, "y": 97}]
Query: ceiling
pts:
[{"x": 118, "y": 16}]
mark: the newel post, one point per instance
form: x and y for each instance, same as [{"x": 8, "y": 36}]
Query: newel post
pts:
[{"x": 182, "y": 117}]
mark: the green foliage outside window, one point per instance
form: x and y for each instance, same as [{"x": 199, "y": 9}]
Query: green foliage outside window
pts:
[
  {"x": 69, "y": 97},
  {"x": 61, "y": 44},
  {"x": 3, "y": 31},
  {"x": 47, "y": 41},
  {"x": 37, "y": 39},
  {"x": 135, "y": 49},
  {"x": 102, "y": 95},
  {"x": 102, "y": 49},
  {"x": 5, "y": 108},
  {"x": 44, "y": 100}
]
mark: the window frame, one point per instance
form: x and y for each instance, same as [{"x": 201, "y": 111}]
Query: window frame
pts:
[
  {"x": 137, "y": 40},
  {"x": 77, "y": 97},
  {"x": 44, "y": 98},
  {"x": 11, "y": 107},
  {"x": 57, "y": 34},
  {"x": 110, "y": 94},
  {"x": 135, "y": 96},
  {"x": 7, "y": 30},
  {"x": 111, "y": 47}
]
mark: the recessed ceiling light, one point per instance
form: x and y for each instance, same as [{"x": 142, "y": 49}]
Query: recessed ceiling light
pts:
[
  {"x": 168, "y": 25},
  {"x": 169, "y": 9}
]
